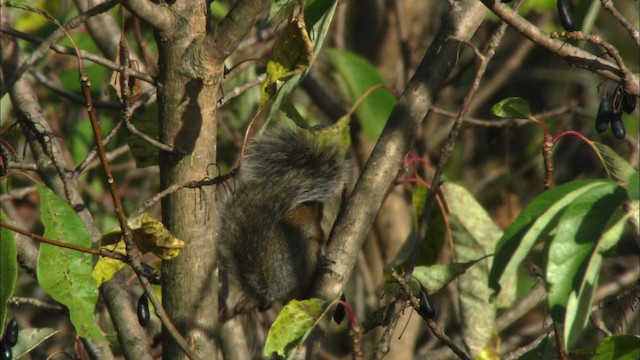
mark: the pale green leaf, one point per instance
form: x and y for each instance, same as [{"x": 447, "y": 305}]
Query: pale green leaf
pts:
[
  {"x": 63, "y": 273},
  {"x": 474, "y": 235},
  {"x": 617, "y": 347},
  {"x": 617, "y": 167},
  {"x": 29, "y": 338},
  {"x": 358, "y": 76},
  {"x": 293, "y": 322},
  {"x": 532, "y": 225},
  {"x": 573, "y": 246},
  {"x": 317, "y": 16},
  {"x": 8, "y": 270},
  {"x": 513, "y": 107}
]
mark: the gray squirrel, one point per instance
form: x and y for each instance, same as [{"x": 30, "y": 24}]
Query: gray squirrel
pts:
[{"x": 273, "y": 226}]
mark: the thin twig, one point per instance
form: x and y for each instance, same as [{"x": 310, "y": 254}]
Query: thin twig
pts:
[
  {"x": 627, "y": 76},
  {"x": 573, "y": 55},
  {"x": 98, "y": 252},
  {"x": 435, "y": 328},
  {"x": 18, "y": 300},
  {"x": 65, "y": 50},
  {"x": 69, "y": 95},
  {"x": 84, "y": 165},
  {"x": 633, "y": 31},
  {"x": 40, "y": 52},
  {"x": 175, "y": 187}
]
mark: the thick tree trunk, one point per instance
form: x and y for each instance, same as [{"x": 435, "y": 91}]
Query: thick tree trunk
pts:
[{"x": 187, "y": 107}]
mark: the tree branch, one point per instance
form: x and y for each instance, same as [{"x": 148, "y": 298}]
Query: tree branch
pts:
[
  {"x": 158, "y": 16},
  {"x": 221, "y": 42},
  {"x": 573, "y": 55},
  {"x": 354, "y": 222}
]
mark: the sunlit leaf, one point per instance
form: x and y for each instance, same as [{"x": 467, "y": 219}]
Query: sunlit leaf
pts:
[
  {"x": 532, "y": 225},
  {"x": 149, "y": 234},
  {"x": 29, "y": 338},
  {"x": 435, "y": 277},
  {"x": 513, "y": 107},
  {"x": 8, "y": 270},
  {"x": 63, "y": 273},
  {"x": 292, "y": 53},
  {"x": 293, "y": 322},
  {"x": 317, "y": 17},
  {"x": 106, "y": 267},
  {"x": 617, "y": 347},
  {"x": 574, "y": 244},
  {"x": 474, "y": 235}
]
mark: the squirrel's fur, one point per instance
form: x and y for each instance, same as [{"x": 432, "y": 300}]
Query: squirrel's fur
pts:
[{"x": 274, "y": 225}]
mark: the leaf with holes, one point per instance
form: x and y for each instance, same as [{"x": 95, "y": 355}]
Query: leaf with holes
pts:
[
  {"x": 65, "y": 274},
  {"x": 293, "y": 322}
]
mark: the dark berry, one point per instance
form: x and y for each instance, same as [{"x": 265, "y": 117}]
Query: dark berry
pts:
[
  {"x": 143, "y": 310},
  {"x": 565, "y": 14},
  {"x": 617, "y": 126},
  {"x": 339, "y": 314},
  {"x": 426, "y": 307},
  {"x": 604, "y": 115},
  {"x": 11, "y": 334},
  {"x": 629, "y": 103},
  {"x": 5, "y": 351}
]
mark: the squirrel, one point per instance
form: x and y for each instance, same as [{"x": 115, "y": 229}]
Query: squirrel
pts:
[{"x": 273, "y": 228}]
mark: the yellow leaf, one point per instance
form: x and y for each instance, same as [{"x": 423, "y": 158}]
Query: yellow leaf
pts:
[
  {"x": 153, "y": 237},
  {"x": 107, "y": 267},
  {"x": 150, "y": 235},
  {"x": 292, "y": 52}
]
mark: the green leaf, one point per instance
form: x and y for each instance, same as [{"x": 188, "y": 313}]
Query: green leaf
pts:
[
  {"x": 8, "y": 270},
  {"x": 63, "y": 273},
  {"x": 292, "y": 52},
  {"x": 573, "y": 247},
  {"x": 542, "y": 351},
  {"x": 317, "y": 16},
  {"x": 617, "y": 347},
  {"x": 293, "y": 322},
  {"x": 435, "y": 277},
  {"x": 474, "y": 235},
  {"x": 633, "y": 189},
  {"x": 29, "y": 338},
  {"x": 513, "y": 107},
  {"x": 534, "y": 222},
  {"x": 434, "y": 239},
  {"x": 143, "y": 152},
  {"x": 358, "y": 77},
  {"x": 616, "y": 166},
  {"x": 579, "y": 305}
]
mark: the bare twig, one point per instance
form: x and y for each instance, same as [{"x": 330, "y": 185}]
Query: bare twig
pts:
[
  {"x": 65, "y": 50},
  {"x": 17, "y": 301},
  {"x": 175, "y": 187},
  {"x": 573, "y": 55},
  {"x": 435, "y": 328},
  {"x": 239, "y": 90},
  {"x": 633, "y": 31},
  {"x": 627, "y": 76},
  {"x": 39, "y": 53},
  {"x": 69, "y": 95},
  {"x": 100, "y": 252}
]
